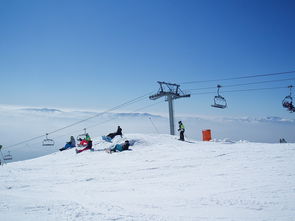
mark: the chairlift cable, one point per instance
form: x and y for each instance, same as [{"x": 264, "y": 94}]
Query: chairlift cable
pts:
[
  {"x": 96, "y": 115},
  {"x": 106, "y": 121},
  {"x": 154, "y": 125},
  {"x": 243, "y": 84},
  {"x": 81, "y": 121},
  {"x": 100, "y": 122},
  {"x": 242, "y": 77},
  {"x": 241, "y": 90}
]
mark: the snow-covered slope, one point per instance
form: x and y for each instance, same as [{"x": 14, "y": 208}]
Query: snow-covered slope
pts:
[{"x": 160, "y": 179}]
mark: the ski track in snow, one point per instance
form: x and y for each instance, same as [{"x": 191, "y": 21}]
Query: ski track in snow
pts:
[{"x": 160, "y": 179}]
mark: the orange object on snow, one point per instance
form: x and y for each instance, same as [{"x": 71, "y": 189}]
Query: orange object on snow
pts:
[{"x": 206, "y": 135}]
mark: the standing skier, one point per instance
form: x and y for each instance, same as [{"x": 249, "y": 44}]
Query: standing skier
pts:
[{"x": 181, "y": 130}]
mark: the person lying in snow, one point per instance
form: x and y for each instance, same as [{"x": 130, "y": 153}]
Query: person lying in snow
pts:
[
  {"x": 70, "y": 144},
  {"x": 119, "y": 147},
  {"x": 110, "y": 136},
  {"x": 88, "y": 147}
]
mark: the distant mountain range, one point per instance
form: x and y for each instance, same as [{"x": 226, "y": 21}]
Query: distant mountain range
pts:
[
  {"x": 269, "y": 119},
  {"x": 45, "y": 110}
]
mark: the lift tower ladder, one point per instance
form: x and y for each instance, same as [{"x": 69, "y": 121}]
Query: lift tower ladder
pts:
[{"x": 171, "y": 92}]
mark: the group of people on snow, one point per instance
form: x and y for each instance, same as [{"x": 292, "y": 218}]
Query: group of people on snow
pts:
[{"x": 86, "y": 142}]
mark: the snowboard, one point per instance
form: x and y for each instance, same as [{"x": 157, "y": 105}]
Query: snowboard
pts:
[{"x": 107, "y": 139}]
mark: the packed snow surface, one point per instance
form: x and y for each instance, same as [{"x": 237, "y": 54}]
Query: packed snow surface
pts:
[{"x": 162, "y": 178}]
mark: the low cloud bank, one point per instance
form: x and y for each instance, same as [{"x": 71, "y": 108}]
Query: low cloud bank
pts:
[{"x": 22, "y": 123}]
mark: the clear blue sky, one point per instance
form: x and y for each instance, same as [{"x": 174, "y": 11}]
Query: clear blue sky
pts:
[{"x": 98, "y": 54}]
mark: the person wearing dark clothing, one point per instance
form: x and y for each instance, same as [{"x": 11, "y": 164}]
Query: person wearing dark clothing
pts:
[
  {"x": 119, "y": 131},
  {"x": 119, "y": 147},
  {"x": 70, "y": 144},
  {"x": 110, "y": 136},
  {"x": 88, "y": 147},
  {"x": 181, "y": 130},
  {"x": 289, "y": 106}
]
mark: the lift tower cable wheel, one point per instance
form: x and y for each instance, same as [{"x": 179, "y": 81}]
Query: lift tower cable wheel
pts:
[{"x": 170, "y": 92}]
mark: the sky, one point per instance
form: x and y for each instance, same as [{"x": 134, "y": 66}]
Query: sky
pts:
[{"x": 99, "y": 54}]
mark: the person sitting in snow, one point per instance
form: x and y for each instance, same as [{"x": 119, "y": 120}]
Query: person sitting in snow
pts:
[
  {"x": 88, "y": 147},
  {"x": 70, "y": 144},
  {"x": 119, "y": 147},
  {"x": 110, "y": 136},
  {"x": 84, "y": 142}
]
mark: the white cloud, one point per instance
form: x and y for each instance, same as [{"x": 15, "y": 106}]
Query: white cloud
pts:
[{"x": 20, "y": 123}]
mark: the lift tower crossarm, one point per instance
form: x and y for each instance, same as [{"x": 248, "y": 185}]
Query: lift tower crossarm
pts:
[{"x": 170, "y": 92}]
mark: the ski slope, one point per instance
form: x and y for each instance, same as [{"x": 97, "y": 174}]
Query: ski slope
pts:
[{"x": 160, "y": 179}]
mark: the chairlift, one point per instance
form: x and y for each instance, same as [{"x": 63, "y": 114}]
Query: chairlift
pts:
[
  {"x": 47, "y": 141},
  {"x": 288, "y": 101},
  {"x": 219, "y": 101},
  {"x": 7, "y": 156},
  {"x": 82, "y": 136}
]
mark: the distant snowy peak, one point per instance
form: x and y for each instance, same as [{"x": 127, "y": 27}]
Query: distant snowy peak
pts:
[
  {"x": 89, "y": 113},
  {"x": 84, "y": 113},
  {"x": 43, "y": 110},
  {"x": 136, "y": 115},
  {"x": 270, "y": 119}
]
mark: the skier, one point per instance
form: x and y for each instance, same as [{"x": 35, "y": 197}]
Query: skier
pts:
[
  {"x": 181, "y": 130},
  {"x": 70, "y": 144},
  {"x": 119, "y": 147},
  {"x": 88, "y": 147},
  {"x": 110, "y": 136}
]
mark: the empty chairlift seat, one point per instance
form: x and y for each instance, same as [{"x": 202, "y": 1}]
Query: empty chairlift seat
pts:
[
  {"x": 219, "y": 101},
  {"x": 48, "y": 142},
  {"x": 7, "y": 156}
]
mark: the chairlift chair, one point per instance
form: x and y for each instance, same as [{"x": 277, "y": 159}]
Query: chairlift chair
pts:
[
  {"x": 288, "y": 101},
  {"x": 48, "y": 142},
  {"x": 7, "y": 156},
  {"x": 219, "y": 101}
]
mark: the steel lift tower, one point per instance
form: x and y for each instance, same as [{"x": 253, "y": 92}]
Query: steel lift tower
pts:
[{"x": 171, "y": 92}]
